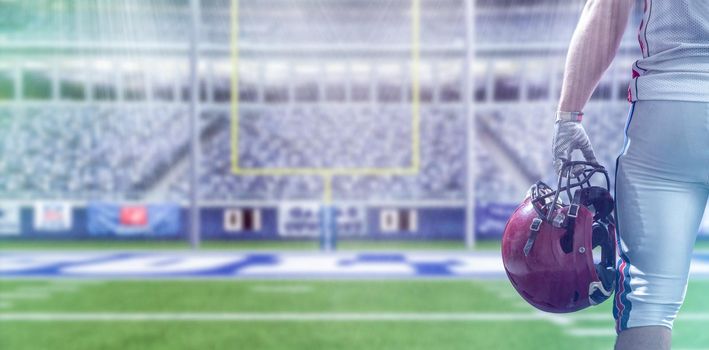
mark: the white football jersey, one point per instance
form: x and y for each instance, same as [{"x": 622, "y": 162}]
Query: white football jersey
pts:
[{"x": 674, "y": 39}]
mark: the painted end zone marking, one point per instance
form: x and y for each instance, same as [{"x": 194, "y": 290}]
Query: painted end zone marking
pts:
[{"x": 254, "y": 266}]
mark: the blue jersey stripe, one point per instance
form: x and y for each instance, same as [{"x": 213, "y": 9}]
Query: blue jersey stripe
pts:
[{"x": 622, "y": 314}]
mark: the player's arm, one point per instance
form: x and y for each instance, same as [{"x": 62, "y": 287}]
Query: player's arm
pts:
[{"x": 592, "y": 49}]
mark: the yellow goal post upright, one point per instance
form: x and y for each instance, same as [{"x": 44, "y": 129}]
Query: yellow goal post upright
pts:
[{"x": 328, "y": 232}]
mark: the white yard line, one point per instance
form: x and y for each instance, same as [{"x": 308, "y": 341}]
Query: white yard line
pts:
[
  {"x": 591, "y": 332},
  {"x": 46, "y": 289},
  {"x": 591, "y": 316},
  {"x": 557, "y": 319},
  {"x": 24, "y": 295},
  {"x": 508, "y": 294},
  {"x": 290, "y": 317},
  {"x": 37, "y": 292},
  {"x": 316, "y": 316}
]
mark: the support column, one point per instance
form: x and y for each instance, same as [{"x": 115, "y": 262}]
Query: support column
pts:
[
  {"x": 195, "y": 237},
  {"x": 469, "y": 107}
]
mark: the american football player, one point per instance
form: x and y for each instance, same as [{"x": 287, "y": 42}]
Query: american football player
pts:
[{"x": 662, "y": 173}]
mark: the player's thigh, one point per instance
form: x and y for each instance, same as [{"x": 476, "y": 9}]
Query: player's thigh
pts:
[
  {"x": 658, "y": 219},
  {"x": 660, "y": 198},
  {"x": 661, "y": 187}
]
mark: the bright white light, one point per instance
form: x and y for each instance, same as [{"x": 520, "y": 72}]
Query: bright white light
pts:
[
  {"x": 103, "y": 65},
  {"x": 506, "y": 67},
  {"x": 390, "y": 70},
  {"x": 35, "y": 65},
  {"x": 335, "y": 68},
  {"x": 307, "y": 69},
  {"x": 276, "y": 71},
  {"x": 450, "y": 69},
  {"x": 222, "y": 67}
]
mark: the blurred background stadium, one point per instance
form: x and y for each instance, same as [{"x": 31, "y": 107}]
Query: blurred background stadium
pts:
[{"x": 281, "y": 126}]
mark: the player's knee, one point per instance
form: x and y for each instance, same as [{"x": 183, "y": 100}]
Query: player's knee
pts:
[
  {"x": 653, "y": 314},
  {"x": 642, "y": 309},
  {"x": 647, "y": 301}
]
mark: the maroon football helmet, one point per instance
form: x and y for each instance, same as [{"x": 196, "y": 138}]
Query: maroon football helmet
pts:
[{"x": 547, "y": 245}]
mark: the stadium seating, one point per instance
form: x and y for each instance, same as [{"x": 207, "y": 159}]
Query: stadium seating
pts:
[
  {"x": 365, "y": 139},
  {"x": 527, "y": 132},
  {"x": 88, "y": 152},
  {"x": 129, "y": 152}
]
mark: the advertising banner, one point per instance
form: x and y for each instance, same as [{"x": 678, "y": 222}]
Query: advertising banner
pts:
[
  {"x": 304, "y": 219},
  {"x": 490, "y": 218},
  {"x": 300, "y": 219},
  {"x": 105, "y": 219},
  {"x": 351, "y": 220},
  {"x": 9, "y": 219},
  {"x": 52, "y": 216}
]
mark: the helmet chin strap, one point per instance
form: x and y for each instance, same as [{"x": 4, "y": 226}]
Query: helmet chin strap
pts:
[
  {"x": 597, "y": 293},
  {"x": 533, "y": 232}
]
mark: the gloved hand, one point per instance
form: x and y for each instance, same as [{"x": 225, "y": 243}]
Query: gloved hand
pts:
[{"x": 570, "y": 136}]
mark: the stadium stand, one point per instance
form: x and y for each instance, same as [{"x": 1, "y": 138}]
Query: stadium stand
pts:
[
  {"x": 43, "y": 160},
  {"x": 88, "y": 152},
  {"x": 373, "y": 144},
  {"x": 46, "y": 161}
]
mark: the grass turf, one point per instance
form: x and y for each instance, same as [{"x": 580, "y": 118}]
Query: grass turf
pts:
[{"x": 300, "y": 297}]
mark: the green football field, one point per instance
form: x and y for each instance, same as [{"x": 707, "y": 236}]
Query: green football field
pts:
[{"x": 305, "y": 314}]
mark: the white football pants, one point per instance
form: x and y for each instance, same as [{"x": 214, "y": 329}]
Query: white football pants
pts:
[{"x": 662, "y": 185}]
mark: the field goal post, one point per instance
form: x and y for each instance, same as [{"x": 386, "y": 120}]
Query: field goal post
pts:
[{"x": 328, "y": 227}]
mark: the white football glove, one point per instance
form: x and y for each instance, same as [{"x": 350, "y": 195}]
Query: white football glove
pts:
[{"x": 570, "y": 136}]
